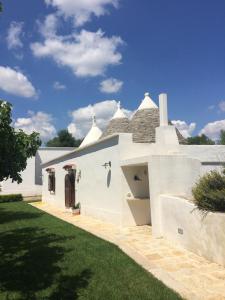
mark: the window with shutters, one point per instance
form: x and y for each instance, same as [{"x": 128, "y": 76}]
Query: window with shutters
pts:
[{"x": 51, "y": 182}]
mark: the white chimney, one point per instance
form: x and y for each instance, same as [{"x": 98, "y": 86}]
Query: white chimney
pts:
[{"x": 163, "y": 110}]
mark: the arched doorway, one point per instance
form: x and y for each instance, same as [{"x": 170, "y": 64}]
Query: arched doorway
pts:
[{"x": 70, "y": 189}]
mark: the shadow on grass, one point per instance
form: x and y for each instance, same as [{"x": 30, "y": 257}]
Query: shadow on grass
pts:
[
  {"x": 30, "y": 263},
  {"x": 69, "y": 286},
  {"x": 7, "y": 216}
]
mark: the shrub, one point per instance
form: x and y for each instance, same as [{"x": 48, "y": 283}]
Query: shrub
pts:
[
  {"x": 209, "y": 192},
  {"x": 11, "y": 198}
]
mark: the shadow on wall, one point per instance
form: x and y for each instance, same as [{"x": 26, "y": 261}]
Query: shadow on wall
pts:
[
  {"x": 109, "y": 175},
  {"x": 140, "y": 210},
  {"x": 137, "y": 180},
  {"x": 138, "y": 187},
  {"x": 38, "y": 170}
]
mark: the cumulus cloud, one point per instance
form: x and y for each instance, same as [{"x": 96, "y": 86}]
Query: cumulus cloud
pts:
[
  {"x": 111, "y": 85},
  {"x": 49, "y": 27},
  {"x": 82, "y": 10},
  {"x": 222, "y": 106},
  {"x": 184, "y": 128},
  {"x": 58, "y": 86},
  {"x": 16, "y": 83},
  {"x": 82, "y": 117},
  {"x": 14, "y": 35},
  {"x": 40, "y": 122},
  {"x": 212, "y": 130},
  {"x": 86, "y": 53}
]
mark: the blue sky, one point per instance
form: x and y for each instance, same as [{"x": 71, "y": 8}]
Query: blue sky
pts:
[{"x": 59, "y": 56}]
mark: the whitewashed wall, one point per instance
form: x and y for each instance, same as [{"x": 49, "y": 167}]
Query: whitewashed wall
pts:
[
  {"x": 27, "y": 187},
  {"x": 169, "y": 174},
  {"x": 102, "y": 192},
  {"x": 31, "y": 176},
  {"x": 185, "y": 225},
  {"x": 212, "y": 157},
  {"x": 136, "y": 197},
  {"x": 99, "y": 188}
]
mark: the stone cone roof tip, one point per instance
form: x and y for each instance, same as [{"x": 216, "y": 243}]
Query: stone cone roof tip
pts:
[
  {"x": 93, "y": 135},
  {"x": 147, "y": 103},
  {"x": 118, "y": 124},
  {"x": 119, "y": 113},
  {"x": 142, "y": 124}
]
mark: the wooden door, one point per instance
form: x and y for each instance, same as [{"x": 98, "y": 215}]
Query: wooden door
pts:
[{"x": 70, "y": 190}]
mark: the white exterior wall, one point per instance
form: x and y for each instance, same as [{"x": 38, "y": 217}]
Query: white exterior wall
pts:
[
  {"x": 136, "y": 197},
  {"x": 27, "y": 187},
  {"x": 202, "y": 234},
  {"x": 212, "y": 157},
  {"x": 31, "y": 176},
  {"x": 99, "y": 190},
  {"x": 102, "y": 192},
  {"x": 169, "y": 174}
]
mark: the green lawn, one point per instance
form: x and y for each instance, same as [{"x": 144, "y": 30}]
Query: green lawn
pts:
[{"x": 42, "y": 257}]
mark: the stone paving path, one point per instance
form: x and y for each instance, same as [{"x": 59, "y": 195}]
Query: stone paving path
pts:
[{"x": 192, "y": 276}]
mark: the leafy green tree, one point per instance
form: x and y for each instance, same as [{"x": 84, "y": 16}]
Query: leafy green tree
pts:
[
  {"x": 200, "y": 140},
  {"x": 0, "y": 6},
  {"x": 64, "y": 139},
  {"x": 15, "y": 146},
  {"x": 222, "y": 138}
]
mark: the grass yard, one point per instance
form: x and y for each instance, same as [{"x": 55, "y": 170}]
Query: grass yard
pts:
[{"x": 42, "y": 257}]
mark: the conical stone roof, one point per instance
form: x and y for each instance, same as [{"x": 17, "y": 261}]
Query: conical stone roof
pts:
[
  {"x": 118, "y": 124},
  {"x": 143, "y": 125},
  {"x": 145, "y": 120},
  {"x": 93, "y": 135}
]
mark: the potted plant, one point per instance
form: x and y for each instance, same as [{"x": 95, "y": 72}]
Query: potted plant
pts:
[{"x": 76, "y": 209}]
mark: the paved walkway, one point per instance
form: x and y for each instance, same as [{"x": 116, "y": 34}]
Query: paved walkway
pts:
[{"x": 192, "y": 276}]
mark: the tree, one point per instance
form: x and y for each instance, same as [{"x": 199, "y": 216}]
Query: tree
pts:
[
  {"x": 1, "y": 7},
  {"x": 15, "y": 147},
  {"x": 200, "y": 140},
  {"x": 64, "y": 139},
  {"x": 222, "y": 138}
]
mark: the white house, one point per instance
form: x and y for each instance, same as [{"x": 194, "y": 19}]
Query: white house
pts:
[
  {"x": 139, "y": 171},
  {"x": 32, "y": 175}
]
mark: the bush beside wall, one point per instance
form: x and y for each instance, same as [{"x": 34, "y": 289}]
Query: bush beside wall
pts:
[
  {"x": 209, "y": 192},
  {"x": 11, "y": 198}
]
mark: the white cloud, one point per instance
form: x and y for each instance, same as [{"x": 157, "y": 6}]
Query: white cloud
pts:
[
  {"x": 49, "y": 27},
  {"x": 14, "y": 35},
  {"x": 212, "y": 130},
  {"x": 222, "y": 106},
  {"x": 184, "y": 128},
  {"x": 86, "y": 53},
  {"x": 58, "y": 86},
  {"x": 16, "y": 83},
  {"x": 40, "y": 122},
  {"x": 111, "y": 85},
  {"x": 72, "y": 129},
  {"x": 82, "y": 10},
  {"x": 82, "y": 117}
]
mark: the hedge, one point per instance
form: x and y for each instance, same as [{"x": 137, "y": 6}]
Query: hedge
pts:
[
  {"x": 11, "y": 198},
  {"x": 209, "y": 192}
]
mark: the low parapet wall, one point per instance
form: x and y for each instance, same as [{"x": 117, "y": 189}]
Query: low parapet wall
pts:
[{"x": 203, "y": 234}]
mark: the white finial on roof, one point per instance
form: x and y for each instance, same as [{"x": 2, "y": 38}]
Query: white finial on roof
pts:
[
  {"x": 94, "y": 120},
  {"x": 94, "y": 133},
  {"x": 93, "y": 117},
  {"x": 147, "y": 102},
  {"x": 119, "y": 113}
]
